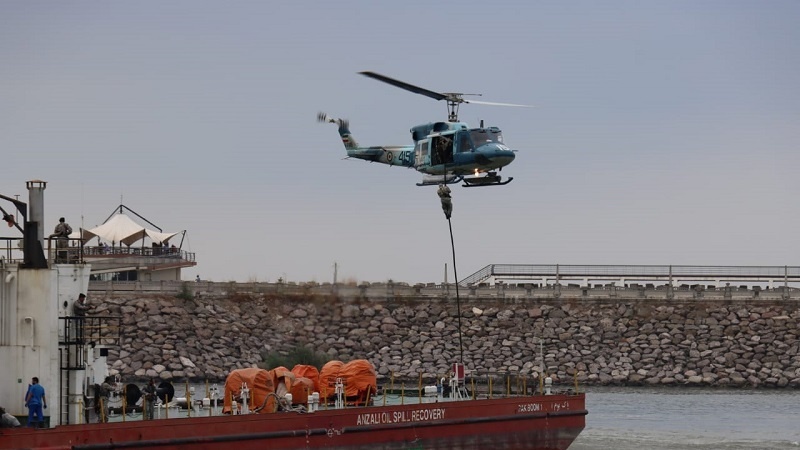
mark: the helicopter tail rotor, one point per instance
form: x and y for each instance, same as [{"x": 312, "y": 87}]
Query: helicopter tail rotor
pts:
[
  {"x": 323, "y": 118},
  {"x": 344, "y": 130}
]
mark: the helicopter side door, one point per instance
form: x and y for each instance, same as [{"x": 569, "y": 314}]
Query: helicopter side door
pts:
[{"x": 421, "y": 153}]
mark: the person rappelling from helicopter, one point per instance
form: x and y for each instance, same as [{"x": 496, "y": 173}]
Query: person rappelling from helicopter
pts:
[
  {"x": 444, "y": 152},
  {"x": 447, "y": 201}
]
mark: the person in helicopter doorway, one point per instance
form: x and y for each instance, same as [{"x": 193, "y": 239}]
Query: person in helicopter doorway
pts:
[{"x": 149, "y": 399}]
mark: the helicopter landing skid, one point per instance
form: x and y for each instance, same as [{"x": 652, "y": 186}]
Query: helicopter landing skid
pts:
[
  {"x": 440, "y": 181},
  {"x": 491, "y": 179}
]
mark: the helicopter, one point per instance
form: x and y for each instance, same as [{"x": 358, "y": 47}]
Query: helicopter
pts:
[{"x": 444, "y": 152}]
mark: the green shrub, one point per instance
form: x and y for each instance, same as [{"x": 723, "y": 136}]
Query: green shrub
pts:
[
  {"x": 297, "y": 355},
  {"x": 185, "y": 293}
]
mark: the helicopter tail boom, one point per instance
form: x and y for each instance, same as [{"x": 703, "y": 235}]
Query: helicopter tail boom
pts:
[{"x": 393, "y": 155}]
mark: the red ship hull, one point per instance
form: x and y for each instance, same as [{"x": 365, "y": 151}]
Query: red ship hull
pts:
[{"x": 531, "y": 423}]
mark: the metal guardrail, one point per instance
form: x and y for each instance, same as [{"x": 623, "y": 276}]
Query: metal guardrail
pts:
[
  {"x": 106, "y": 330},
  {"x": 557, "y": 272},
  {"x": 9, "y": 247},
  {"x": 56, "y": 250},
  {"x": 498, "y": 292},
  {"x": 74, "y": 252},
  {"x": 105, "y": 251}
]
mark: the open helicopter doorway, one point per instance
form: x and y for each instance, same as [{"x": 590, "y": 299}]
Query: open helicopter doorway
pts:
[{"x": 442, "y": 146}]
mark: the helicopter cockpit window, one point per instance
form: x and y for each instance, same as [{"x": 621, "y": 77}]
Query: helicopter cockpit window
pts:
[
  {"x": 464, "y": 143},
  {"x": 485, "y": 136}
]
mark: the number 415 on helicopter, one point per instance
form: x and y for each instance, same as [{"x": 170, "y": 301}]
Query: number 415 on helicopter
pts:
[{"x": 444, "y": 152}]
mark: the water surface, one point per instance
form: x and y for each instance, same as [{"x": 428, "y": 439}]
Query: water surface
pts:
[{"x": 693, "y": 418}]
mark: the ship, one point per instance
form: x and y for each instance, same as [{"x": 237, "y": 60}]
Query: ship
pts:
[
  {"x": 534, "y": 422},
  {"x": 68, "y": 354}
]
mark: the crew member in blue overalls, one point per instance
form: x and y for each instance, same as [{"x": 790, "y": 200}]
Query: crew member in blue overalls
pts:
[{"x": 35, "y": 401}]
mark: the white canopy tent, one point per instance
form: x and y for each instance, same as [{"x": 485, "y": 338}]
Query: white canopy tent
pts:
[
  {"x": 81, "y": 234},
  {"x": 156, "y": 236},
  {"x": 121, "y": 229}
]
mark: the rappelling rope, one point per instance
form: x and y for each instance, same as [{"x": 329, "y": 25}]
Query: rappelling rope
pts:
[{"x": 447, "y": 207}]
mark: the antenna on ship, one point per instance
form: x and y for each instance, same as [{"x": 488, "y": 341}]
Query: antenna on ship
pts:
[{"x": 447, "y": 207}]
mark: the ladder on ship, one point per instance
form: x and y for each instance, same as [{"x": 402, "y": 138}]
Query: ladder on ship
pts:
[
  {"x": 72, "y": 358},
  {"x": 81, "y": 338}
]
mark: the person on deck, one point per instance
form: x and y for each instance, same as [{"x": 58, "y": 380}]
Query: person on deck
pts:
[
  {"x": 149, "y": 399},
  {"x": 79, "y": 309},
  {"x": 35, "y": 401},
  {"x": 105, "y": 391},
  {"x": 80, "y": 306},
  {"x": 61, "y": 233},
  {"x": 7, "y": 420}
]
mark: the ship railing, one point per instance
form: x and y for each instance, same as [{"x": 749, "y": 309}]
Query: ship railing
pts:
[
  {"x": 11, "y": 250},
  {"x": 58, "y": 250},
  {"x": 478, "y": 385},
  {"x": 507, "y": 384},
  {"x": 92, "y": 330},
  {"x": 64, "y": 250},
  {"x": 333, "y": 395}
]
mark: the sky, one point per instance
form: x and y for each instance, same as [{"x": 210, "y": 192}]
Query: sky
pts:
[{"x": 661, "y": 132}]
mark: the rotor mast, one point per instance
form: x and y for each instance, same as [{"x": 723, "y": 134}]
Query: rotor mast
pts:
[
  {"x": 454, "y": 100},
  {"x": 452, "y": 110}
]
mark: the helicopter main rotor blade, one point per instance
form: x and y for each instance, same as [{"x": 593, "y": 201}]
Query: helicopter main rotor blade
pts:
[
  {"x": 478, "y": 102},
  {"x": 404, "y": 85}
]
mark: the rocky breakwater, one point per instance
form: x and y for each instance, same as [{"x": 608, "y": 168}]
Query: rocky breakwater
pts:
[{"x": 623, "y": 342}]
